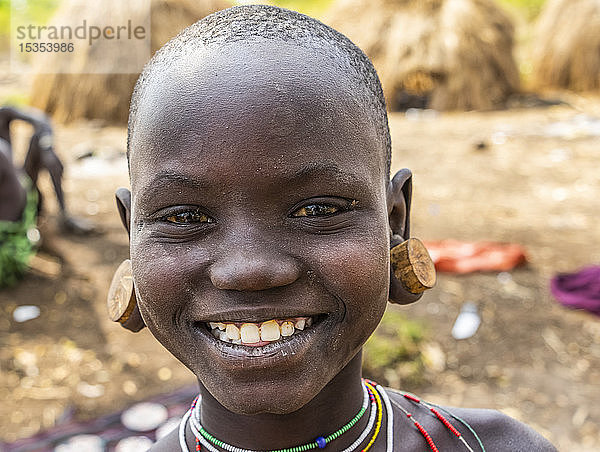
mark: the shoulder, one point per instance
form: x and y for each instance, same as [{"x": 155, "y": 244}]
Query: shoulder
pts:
[
  {"x": 500, "y": 432},
  {"x": 493, "y": 429}
]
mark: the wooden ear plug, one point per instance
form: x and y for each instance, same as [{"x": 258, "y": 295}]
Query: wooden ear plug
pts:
[
  {"x": 412, "y": 266},
  {"x": 121, "y": 296}
]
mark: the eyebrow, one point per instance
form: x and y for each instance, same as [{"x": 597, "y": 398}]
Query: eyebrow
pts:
[
  {"x": 157, "y": 184},
  {"x": 175, "y": 177},
  {"x": 316, "y": 169},
  {"x": 327, "y": 167}
]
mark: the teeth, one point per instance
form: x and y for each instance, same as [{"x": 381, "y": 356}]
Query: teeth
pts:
[
  {"x": 233, "y": 332},
  {"x": 249, "y": 333},
  {"x": 269, "y": 331},
  {"x": 223, "y": 336},
  {"x": 287, "y": 328}
]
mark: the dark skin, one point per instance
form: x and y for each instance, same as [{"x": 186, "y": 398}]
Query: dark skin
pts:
[
  {"x": 259, "y": 191},
  {"x": 12, "y": 195},
  {"x": 40, "y": 156}
]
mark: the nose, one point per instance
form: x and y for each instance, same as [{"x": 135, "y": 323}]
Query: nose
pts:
[{"x": 252, "y": 270}]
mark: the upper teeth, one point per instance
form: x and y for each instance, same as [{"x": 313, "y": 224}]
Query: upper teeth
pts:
[{"x": 251, "y": 333}]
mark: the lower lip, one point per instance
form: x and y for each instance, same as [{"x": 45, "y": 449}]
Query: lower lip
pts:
[{"x": 257, "y": 344}]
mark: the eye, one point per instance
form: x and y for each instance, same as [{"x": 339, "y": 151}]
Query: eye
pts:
[
  {"x": 188, "y": 217},
  {"x": 322, "y": 209}
]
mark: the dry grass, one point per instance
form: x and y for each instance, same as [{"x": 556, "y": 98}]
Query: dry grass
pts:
[
  {"x": 566, "y": 51},
  {"x": 441, "y": 54},
  {"x": 68, "y": 97}
]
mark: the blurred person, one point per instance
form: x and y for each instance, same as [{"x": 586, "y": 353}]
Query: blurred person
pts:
[{"x": 20, "y": 197}]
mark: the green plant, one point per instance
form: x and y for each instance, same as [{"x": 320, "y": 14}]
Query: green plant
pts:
[
  {"x": 393, "y": 353},
  {"x": 34, "y": 11},
  {"x": 15, "y": 98},
  {"x": 529, "y": 8}
]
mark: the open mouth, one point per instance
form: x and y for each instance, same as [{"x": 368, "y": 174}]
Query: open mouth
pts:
[{"x": 259, "y": 334}]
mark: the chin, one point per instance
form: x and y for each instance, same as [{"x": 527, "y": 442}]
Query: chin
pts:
[{"x": 277, "y": 396}]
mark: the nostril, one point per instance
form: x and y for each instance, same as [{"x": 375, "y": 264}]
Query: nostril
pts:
[{"x": 253, "y": 274}]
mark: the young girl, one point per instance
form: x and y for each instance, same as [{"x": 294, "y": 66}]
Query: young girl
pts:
[{"x": 261, "y": 220}]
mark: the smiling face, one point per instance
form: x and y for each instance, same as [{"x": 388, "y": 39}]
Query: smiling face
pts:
[{"x": 258, "y": 194}]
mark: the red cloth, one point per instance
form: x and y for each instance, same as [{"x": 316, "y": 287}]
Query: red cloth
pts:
[{"x": 454, "y": 256}]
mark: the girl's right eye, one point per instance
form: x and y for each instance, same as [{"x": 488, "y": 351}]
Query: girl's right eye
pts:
[{"x": 188, "y": 217}]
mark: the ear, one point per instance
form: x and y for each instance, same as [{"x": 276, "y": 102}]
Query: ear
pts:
[
  {"x": 123, "y": 197},
  {"x": 398, "y": 204},
  {"x": 399, "y": 194}
]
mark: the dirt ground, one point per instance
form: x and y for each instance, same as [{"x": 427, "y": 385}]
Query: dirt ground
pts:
[{"x": 535, "y": 182}]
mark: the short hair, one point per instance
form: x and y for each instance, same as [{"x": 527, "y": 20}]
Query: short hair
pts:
[{"x": 241, "y": 23}]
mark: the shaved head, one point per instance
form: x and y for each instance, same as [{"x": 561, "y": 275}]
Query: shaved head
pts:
[{"x": 268, "y": 23}]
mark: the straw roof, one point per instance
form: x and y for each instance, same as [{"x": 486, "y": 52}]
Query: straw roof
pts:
[
  {"x": 70, "y": 96},
  {"x": 566, "y": 51},
  {"x": 441, "y": 54}
]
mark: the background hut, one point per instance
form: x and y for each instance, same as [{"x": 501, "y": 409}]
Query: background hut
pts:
[
  {"x": 70, "y": 96},
  {"x": 441, "y": 54},
  {"x": 566, "y": 50}
]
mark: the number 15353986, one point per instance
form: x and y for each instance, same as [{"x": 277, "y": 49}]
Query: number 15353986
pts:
[{"x": 27, "y": 47}]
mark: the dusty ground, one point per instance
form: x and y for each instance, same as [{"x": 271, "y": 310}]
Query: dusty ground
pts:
[{"x": 531, "y": 358}]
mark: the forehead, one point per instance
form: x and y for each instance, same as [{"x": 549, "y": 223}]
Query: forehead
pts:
[{"x": 246, "y": 107}]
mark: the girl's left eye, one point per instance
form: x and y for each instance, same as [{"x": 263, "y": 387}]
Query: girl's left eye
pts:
[
  {"x": 320, "y": 210},
  {"x": 315, "y": 210},
  {"x": 188, "y": 217}
]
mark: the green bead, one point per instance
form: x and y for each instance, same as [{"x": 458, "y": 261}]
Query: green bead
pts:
[{"x": 302, "y": 448}]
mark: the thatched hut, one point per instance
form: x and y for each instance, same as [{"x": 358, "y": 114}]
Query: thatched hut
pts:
[
  {"x": 566, "y": 50},
  {"x": 105, "y": 96},
  {"x": 441, "y": 54}
]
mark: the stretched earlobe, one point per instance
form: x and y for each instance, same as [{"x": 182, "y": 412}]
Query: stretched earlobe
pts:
[
  {"x": 411, "y": 268},
  {"x": 121, "y": 301},
  {"x": 412, "y": 272}
]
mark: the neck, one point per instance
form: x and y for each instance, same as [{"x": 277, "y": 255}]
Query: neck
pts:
[{"x": 337, "y": 403}]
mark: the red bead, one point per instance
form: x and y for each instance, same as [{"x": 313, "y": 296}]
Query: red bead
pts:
[
  {"x": 413, "y": 398},
  {"x": 428, "y": 439},
  {"x": 444, "y": 421}
]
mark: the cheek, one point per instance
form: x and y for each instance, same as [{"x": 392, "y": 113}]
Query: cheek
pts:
[
  {"x": 165, "y": 279},
  {"x": 359, "y": 275}
]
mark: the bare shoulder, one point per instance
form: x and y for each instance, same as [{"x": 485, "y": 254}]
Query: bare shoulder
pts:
[
  {"x": 482, "y": 429},
  {"x": 499, "y": 432}
]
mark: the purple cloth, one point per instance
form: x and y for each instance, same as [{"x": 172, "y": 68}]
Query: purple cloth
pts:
[{"x": 580, "y": 290}]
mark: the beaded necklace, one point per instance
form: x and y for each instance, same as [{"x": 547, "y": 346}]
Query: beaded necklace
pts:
[
  {"x": 441, "y": 418},
  {"x": 373, "y": 392},
  {"x": 201, "y": 439},
  {"x": 209, "y": 441}
]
